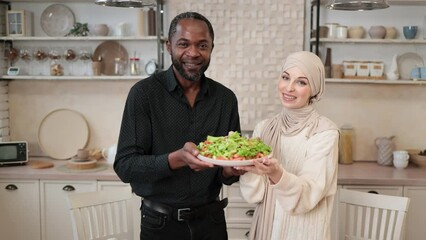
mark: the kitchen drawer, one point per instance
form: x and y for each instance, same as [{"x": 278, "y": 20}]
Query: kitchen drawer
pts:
[
  {"x": 238, "y": 231},
  {"x": 239, "y": 213},
  {"x": 386, "y": 190}
]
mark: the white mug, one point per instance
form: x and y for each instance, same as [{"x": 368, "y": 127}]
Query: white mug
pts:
[
  {"x": 109, "y": 153},
  {"x": 401, "y": 155}
]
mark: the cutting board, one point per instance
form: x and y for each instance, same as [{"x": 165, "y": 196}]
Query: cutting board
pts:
[{"x": 39, "y": 164}]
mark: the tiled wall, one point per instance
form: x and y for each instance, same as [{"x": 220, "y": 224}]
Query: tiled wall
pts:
[{"x": 252, "y": 39}]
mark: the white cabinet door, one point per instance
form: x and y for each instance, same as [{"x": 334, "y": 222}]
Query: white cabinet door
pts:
[
  {"x": 415, "y": 225},
  {"x": 19, "y": 210},
  {"x": 136, "y": 203},
  {"x": 55, "y": 215}
]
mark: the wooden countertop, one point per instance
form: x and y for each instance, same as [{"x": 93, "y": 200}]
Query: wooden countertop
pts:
[
  {"x": 359, "y": 173},
  {"x": 56, "y": 172},
  {"x": 371, "y": 173}
]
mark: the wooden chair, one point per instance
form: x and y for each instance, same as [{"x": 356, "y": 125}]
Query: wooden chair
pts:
[
  {"x": 371, "y": 216},
  {"x": 102, "y": 215}
]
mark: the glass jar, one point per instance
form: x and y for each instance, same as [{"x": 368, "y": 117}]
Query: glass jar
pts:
[
  {"x": 56, "y": 68},
  {"x": 345, "y": 145},
  {"x": 135, "y": 66},
  {"x": 118, "y": 67}
]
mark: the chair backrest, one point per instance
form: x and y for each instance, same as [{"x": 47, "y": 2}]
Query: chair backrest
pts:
[
  {"x": 371, "y": 216},
  {"x": 102, "y": 215}
]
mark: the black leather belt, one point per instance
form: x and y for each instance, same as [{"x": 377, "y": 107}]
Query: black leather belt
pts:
[{"x": 182, "y": 214}]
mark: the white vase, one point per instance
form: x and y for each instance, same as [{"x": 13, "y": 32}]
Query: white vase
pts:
[{"x": 393, "y": 73}]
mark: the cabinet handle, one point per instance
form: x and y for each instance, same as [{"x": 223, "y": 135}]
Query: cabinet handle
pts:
[
  {"x": 68, "y": 188},
  {"x": 250, "y": 213},
  {"x": 247, "y": 234},
  {"x": 373, "y": 192},
  {"x": 11, "y": 187}
]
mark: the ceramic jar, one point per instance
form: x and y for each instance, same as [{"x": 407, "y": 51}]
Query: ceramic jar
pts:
[
  {"x": 101, "y": 29},
  {"x": 391, "y": 33},
  {"x": 356, "y": 32},
  {"x": 377, "y": 32},
  {"x": 385, "y": 148}
]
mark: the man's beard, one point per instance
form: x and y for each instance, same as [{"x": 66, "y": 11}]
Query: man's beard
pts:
[{"x": 188, "y": 76}]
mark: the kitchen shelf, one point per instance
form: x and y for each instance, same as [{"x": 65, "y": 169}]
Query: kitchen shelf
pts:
[
  {"x": 89, "y": 38},
  {"x": 366, "y": 81},
  {"x": 113, "y": 78},
  {"x": 368, "y": 40}
]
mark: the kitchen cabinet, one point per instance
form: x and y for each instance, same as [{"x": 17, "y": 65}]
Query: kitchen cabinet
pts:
[
  {"x": 414, "y": 227},
  {"x": 55, "y": 216},
  {"x": 239, "y": 213},
  {"x": 38, "y": 209},
  {"x": 368, "y": 49},
  {"x": 20, "y": 210}
]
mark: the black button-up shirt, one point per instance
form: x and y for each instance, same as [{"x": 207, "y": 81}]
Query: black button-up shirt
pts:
[{"x": 157, "y": 120}]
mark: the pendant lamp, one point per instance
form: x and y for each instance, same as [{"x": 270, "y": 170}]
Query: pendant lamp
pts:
[
  {"x": 127, "y": 3},
  {"x": 357, "y": 5}
]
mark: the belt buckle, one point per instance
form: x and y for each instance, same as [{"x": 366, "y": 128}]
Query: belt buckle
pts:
[{"x": 181, "y": 210}]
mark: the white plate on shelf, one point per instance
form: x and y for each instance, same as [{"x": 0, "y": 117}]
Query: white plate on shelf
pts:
[
  {"x": 407, "y": 62},
  {"x": 57, "y": 20},
  {"x": 232, "y": 163},
  {"x": 62, "y": 132}
]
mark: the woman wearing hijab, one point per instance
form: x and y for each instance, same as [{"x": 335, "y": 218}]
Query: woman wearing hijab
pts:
[{"x": 294, "y": 189}]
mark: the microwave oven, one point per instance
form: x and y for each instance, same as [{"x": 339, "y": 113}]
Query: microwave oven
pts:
[{"x": 13, "y": 152}]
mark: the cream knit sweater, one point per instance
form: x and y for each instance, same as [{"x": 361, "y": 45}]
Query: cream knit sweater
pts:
[{"x": 300, "y": 205}]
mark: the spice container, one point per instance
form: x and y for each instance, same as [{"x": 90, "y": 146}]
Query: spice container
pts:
[
  {"x": 345, "y": 145},
  {"x": 118, "y": 66},
  {"x": 135, "y": 66}
]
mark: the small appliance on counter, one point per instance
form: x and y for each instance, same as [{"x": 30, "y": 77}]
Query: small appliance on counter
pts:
[{"x": 15, "y": 152}]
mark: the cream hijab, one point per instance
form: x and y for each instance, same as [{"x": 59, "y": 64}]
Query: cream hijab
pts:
[{"x": 292, "y": 121}]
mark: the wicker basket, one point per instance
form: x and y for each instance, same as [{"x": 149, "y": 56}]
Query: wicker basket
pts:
[{"x": 419, "y": 160}]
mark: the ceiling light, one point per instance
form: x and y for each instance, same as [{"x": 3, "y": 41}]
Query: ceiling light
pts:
[
  {"x": 357, "y": 5},
  {"x": 127, "y": 3}
]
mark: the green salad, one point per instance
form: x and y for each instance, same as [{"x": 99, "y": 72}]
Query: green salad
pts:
[{"x": 233, "y": 147}]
